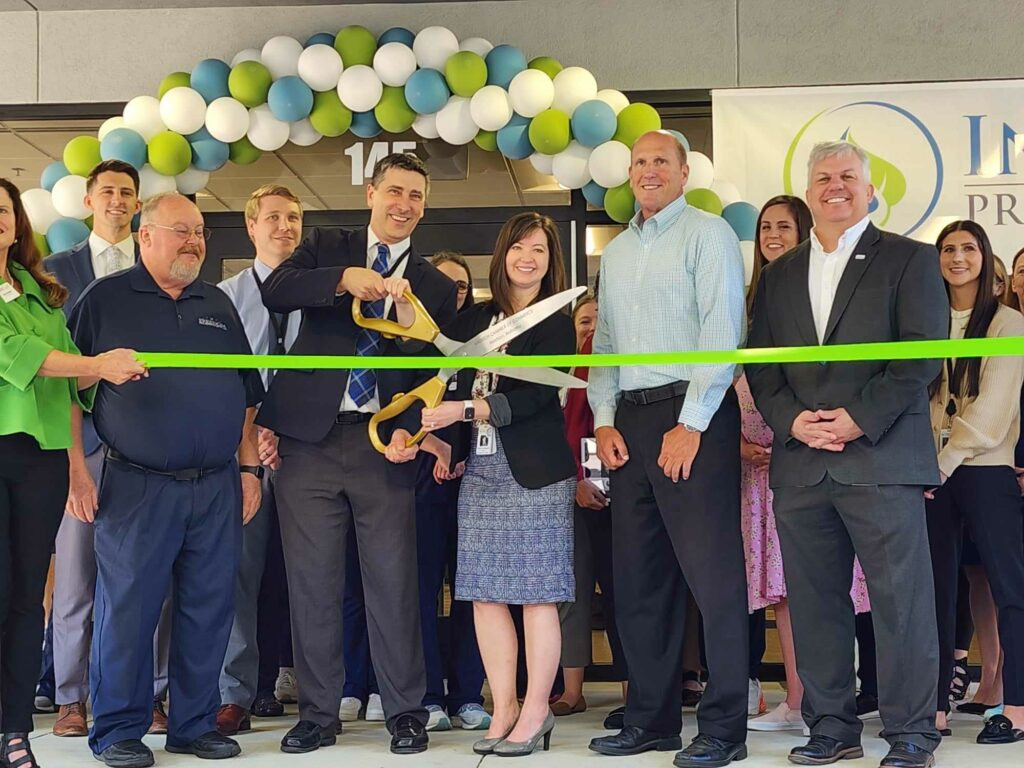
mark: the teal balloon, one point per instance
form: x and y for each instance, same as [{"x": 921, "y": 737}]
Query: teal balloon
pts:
[
  {"x": 290, "y": 99},
  {"x": 124, "y": 144},
  {"x": 503, "y": 63},
  {"x": 208, "y": 154},
  {"x": 53, "y": 173},
  {"x": 210, "y": 78},
  {"x": 593, "y": 123},
  {"x": 594, "y": 193},
  {"x": 397, "y": 35},
  {"x": 682, "y": 139},
  {"x": 742, "y": 217},
  {"x": 65, "y": 233},
  {"x": 514, "y": 138},
  {"x": 365, "y": 125},
  {"x": 426, "y": 91},
  {"x": 320, "y": 38}
]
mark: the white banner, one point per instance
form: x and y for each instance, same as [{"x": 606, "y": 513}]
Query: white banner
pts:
[{"x": 939, "y": 151}]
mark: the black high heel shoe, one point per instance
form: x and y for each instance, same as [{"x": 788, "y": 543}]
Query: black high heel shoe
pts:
[{"x": 17, "y": 742}]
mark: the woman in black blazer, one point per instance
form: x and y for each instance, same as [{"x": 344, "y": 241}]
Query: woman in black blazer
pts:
[{"x": 516, "y": 500}]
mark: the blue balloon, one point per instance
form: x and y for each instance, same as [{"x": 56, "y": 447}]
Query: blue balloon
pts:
[
  {"x": 208, "y": 154},
  {"x": 210, "y": 78},
  {"x": 65, "y": 233},
  {"x": 594, "y": 193},
  {"x": 136, "y": 221},
  {"x": 397, "y": 35},
  {"x": 503, "y": 63},
  {"x": 742, "y": 217},
  {"x": 321, "y": 38},
  {"x": 290, "y": 99},
  {"x": 593, "y": 123},
  {"x": 514, "y": 138},
  {"x": 682, "y": 139},
  {"x": 124, "y": 144},
  {"x": 426, "y": 91},
  {"x": 53, "y": 173},
  {"x": 365, "y": 125}
]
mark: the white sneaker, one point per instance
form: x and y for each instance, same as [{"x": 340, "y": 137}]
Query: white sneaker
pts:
[
  {"x": 286, "y": 689},
  {"x": 755, "y": 698},
  {"x": 473, "y": 717},
  {"x": 782, "y": 718},
  {"x": 438, "y": 719},
  {"x": 375, "y": 710},
  {"x": 349, "y": 709}
]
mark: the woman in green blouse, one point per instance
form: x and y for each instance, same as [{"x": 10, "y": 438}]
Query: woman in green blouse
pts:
[{"x": 39, "y": 365}]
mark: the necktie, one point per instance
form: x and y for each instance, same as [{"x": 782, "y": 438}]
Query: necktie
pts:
[
  {"x": 362, "y": 382},
  {"x": 278, "y": 328},
  {"x": 111, "y": 260}
]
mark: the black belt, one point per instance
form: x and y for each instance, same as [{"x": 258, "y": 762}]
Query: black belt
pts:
[
  {"x": 352, "y": 417},
  {"x": 181, "y": 474},
  {"x": 653, "y": 395}
]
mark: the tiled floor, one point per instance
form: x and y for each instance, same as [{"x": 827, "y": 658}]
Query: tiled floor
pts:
[{"x": 365, "y": 745}]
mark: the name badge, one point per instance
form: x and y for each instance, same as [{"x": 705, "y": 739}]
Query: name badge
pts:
[
  {"x": 8, "y": 292},
  {"x": 485, "y": 445},
  {"x": 943, "y": 438}
]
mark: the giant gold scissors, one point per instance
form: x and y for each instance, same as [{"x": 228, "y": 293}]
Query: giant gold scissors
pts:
[{"x": 485, "y": 343}]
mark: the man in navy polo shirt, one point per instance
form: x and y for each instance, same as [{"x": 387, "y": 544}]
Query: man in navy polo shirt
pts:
[{"x": 172, "y": 500}]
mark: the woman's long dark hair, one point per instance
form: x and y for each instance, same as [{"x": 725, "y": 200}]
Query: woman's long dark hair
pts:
[
  {"x": 514, "y": 230},
  {"x": 25, "y": 252},
  {"x": 801, "y": 215}
]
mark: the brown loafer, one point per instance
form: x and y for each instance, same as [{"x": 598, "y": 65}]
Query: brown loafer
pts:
[
  {"x": 232, "y": 719},
  {"x": 159, "y": 724},
  {"x": 562, "y": 708},
  {"x": 71, "y": 720}
]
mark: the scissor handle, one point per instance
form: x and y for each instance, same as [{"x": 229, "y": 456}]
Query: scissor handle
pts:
[
  {"x": 423, "y": 326},
  {"x": 430, "y": 393}
]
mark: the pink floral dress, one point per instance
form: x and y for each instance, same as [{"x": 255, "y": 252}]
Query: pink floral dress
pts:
[{"x": 766, "y": 581}]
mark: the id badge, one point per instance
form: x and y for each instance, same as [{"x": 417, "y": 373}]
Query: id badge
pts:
[
  {"x": 8, "y": 292},
  {"x": 485, "y": 445},
  {"x": 943, "y": 438}
]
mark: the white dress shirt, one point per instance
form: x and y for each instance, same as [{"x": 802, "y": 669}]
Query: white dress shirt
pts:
[
  {"x": 825, "y": 271},
  {"x": 107, "y": 263}
]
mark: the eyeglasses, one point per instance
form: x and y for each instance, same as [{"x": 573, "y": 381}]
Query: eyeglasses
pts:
[
  {"x": 200, "y": 233},
  {"x": 462, "y": 286}
]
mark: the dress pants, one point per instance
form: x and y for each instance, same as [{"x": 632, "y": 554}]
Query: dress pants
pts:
[
  {"x": 151, "y": 532},
  {"x": 821, "y": 528},
  {"x": 273, "y": 629},
  {"x": 987, "y": 500},
  {"x": 327, "y": 492},
  {"x": 669, "y": 536},
  {"x": 360, "y": 680}
]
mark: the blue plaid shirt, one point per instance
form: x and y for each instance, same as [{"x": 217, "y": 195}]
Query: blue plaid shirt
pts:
[{"x": 671, "y": 283}]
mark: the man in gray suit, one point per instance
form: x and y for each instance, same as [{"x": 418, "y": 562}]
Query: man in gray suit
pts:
[{"x": 853, "y": 452}]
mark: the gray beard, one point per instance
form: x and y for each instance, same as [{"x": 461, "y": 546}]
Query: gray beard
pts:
[{"x": 184, "y": 273}]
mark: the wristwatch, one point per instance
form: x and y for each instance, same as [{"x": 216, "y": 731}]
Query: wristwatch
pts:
[
  {"x": 252, "y": 470},
  {"x": 468, "y": 410},
  {"x": 688, "y": 428}
]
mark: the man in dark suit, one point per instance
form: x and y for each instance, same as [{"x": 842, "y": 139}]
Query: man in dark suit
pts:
[
  {"x": 332, "y": 483},
  {"x": 853, "y": 452}
]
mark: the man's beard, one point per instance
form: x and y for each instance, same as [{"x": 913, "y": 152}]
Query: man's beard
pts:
[{"x": 184, "y": 272}]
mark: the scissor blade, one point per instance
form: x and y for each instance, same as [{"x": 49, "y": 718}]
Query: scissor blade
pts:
[
  {"x": 502, "y": 333},
  {"x": 540, "y": 376}
]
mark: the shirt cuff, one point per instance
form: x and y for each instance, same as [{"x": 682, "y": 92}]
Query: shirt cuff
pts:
[
  {"x": 25, "y": 362},
  {"x": 604, "y": 416},
  {"x": 501, "y": 411},
  {"x": 695, "y": 416}
]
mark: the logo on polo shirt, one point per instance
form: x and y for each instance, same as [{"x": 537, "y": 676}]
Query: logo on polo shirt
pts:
[{"x": 212, "y": 322}]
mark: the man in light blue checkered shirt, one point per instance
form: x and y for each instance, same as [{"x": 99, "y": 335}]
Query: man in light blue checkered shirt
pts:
[{"x": 670, "y": 434}]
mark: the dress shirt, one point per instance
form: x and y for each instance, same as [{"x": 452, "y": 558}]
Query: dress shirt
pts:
[
  {"x": 103, "y": 264},
  {"x": 671, "y": 283},
  {"x": 826, "y": 270}
]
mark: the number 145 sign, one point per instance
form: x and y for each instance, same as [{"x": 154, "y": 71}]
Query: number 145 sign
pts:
[{"x": 363, "y": 161}]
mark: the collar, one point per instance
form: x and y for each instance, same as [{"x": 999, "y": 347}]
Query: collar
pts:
[
  {"x": 394, "y": 250},
  {"x": 98, "y": 245},
  {"x": 140, "y": 280},
  {"x": 262, "y": 270},
  {"x": 846, "y": 240},
  {"x": 662, "y": 219},
  {"x": 29, "y": 286}
]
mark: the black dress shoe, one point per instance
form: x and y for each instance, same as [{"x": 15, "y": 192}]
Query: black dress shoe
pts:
[
  {"x": 999, "y": 730},
  {"x": 409, "y": 737},
  {"x": 131, "y": 753},
  {"x": 973, "y": 708},
  {"x": 822, "y": 750},
  {"x": 266, "y": 705},
  {"x": 615, "y": 719},
  {"x": 708, "y": 752},
  {"x": 632, "y": 740},
  {"x": 305, "y": 736},
  {"x": 209, "y": 746},
  {"x": 903, "y": 754}
]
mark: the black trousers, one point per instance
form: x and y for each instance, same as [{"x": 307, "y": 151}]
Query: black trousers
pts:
[
  {"x": 33, "y": 491},
  {"x": 669, "y": 536},
  {"x": 986, "y": 500}
]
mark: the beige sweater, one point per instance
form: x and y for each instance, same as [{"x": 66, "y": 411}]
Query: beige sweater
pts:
[{"x": 985, "y": 428}]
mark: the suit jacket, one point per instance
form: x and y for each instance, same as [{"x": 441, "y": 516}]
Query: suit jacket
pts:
[{"x": 894, "y": 293}]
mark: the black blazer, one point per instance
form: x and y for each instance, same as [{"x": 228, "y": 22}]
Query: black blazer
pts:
[
  {"x": 894, "y": 293},
  {"x": 535, "y": 444},
  {"x": 303, "y": 404}
]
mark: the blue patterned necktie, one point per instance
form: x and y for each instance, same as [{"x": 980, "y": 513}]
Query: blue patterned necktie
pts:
[{"x": 363, "y": 382}]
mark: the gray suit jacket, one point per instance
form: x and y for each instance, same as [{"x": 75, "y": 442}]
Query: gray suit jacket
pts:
[{"x": 894, "y": 293}]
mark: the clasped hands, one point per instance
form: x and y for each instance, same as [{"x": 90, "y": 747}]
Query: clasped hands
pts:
[{"x": 825, "y": 430}]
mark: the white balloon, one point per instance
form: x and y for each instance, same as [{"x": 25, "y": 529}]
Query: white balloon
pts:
[
  {"x": 192, "y": 180},
  {"x": 477, "y": 45},
  {"x": 303, "y": 134},
  {"x": 455, "y": 121},
  {"x": 571, "y": 166},
  {"x": 702, "y": 172},
  {"x": 110, "y": 124},
  {"x": 531, "y": 92},
  {"x": 423, "y": 125},
  {"x": 183, "y": 110},
  {"x": 227, "y": 119},
  {"x": 281, "y": 56},
  {"x": 747, "y": 249},
  {"x": 69, "y": 197},
  {"x": 491, "y": 108},
  {"x": 394, "y": 63},
  {"x": 433, "y": 46},
  {"x": 359, "y": 88},
  {"x": 543, "y": 163},
  {"x": 726, "y": 191},
  {"x": 38, "y": 205},
  {"x": 573, "y": 86},
  {"x": 266, "y": 132},
  {"x": 609, "y": 164},
  {"x": 615, "y": 99},
  {"x": 248, "y": 54},
  {"x": 320, "y": 67},
  {"x": 142, "y": 114},
  {"x": 152, "y": 183}
]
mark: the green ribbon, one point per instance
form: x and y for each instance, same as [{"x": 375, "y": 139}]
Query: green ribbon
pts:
[{"x": 830, "y": 353}]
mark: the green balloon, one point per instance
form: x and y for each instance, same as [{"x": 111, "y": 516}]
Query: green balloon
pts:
[
  {"x": 392, "y": 111},
  {"x": 466, "y": 73},
  {"x": 41, "y": 245},
  {"x": 329, "y": 116},
  {"x": 249, "y": 82},
  {"x": 356, "y": 45},
  {"x": 705, "y": 199},
  {"x": 634, "y": 121},
  {"x": 549, "y": 131},
  {"x": 547, "y": 65},
  {"x": 619, "y": 202},
  {"x": 487, "y": 140},
  {"x": 82, "y": 154},
  {"x": 169, "y": 153},
  {"x": 242, "y": 152},
  {"x": 174, "y": 80}
]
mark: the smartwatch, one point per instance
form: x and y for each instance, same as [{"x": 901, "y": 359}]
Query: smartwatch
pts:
[
  {"x": 252, "y": 470},
  {"x": 468, "y": 410}
]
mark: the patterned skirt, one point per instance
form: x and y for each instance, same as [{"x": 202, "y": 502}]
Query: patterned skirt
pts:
[{"x": 515, "y": 543}]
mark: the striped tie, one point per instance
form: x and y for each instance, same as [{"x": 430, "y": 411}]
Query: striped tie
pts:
[{"x": 363, "y": 382}]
